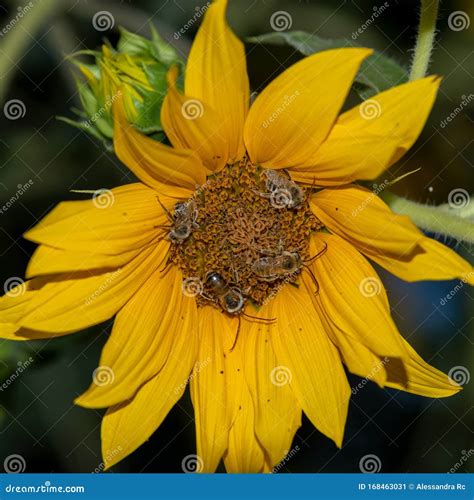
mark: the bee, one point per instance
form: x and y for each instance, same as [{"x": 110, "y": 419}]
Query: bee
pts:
[
  {"x": 284, "y": 264},
  {"x": 182, "y": 221},
  {"x": 271, "y": 268},
  {"x": 230, "y": 299},
  {"x": 282, "y": 191}
]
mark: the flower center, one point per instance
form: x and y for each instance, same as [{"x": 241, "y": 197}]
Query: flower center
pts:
[{"x": 242, "y": 236}]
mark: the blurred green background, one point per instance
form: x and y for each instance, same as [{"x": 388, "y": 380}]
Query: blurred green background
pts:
[{"x": 37, "y": 418}]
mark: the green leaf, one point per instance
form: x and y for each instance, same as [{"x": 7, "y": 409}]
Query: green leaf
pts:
[
  {"x": 135, "y": 45},
  {"x": 377, "y": 73},
  {"x": 89, "y": 129},
  {"x": 162, "y": 50},
  {"x": 149, "y": 110}
]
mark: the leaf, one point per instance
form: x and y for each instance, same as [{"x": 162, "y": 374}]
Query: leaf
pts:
[
  {"x": 133, "y": 44},
  {"x": 149, "y": 110},
  {"x": 89, "y": 129},
  {"x": 377, "y": 73},
  {"x": 162, "y": 50}
]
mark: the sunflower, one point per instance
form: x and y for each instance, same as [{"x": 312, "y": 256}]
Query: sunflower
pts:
[{"x": 239, "y": 263}]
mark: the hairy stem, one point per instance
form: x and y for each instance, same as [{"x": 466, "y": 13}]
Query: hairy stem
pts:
[
  {"x": 425, "y": 39},
  {"x": 439, "y": 220}
]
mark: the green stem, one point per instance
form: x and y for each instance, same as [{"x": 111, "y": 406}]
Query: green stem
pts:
[
  {"x": 19, "y": 36},
  {"x": 425, "y": 39},
  {"x": 439, "y": 220}
]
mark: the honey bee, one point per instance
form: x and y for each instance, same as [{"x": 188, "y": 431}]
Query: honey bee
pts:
[
  {"x": 282, "y": 191},
  {"x": 230, "y": 298},
  {"x": 274, "y": 267},
  {"x": 182, "y": 221},
  {"x": 284, "y": 264}
]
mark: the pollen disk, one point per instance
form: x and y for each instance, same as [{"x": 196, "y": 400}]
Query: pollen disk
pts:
[{"x": 238, "y": 221}]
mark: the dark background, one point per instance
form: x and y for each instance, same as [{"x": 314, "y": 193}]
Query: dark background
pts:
[{"x": 37, "y": 419}]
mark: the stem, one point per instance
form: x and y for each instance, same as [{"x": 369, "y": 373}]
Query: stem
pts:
[
  {"x": 425, "y": 39},
  {"x": 14, "y": 43},
  {"x": 439, "y": 220}
]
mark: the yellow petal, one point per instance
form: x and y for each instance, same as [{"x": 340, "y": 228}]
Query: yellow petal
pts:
[
  {"x": 370, "y": 137},
  {"x": 362, "y": 218},
  {"x": 68, "y": 303},
  {"x": 420, "y": 378},
  {"x": 292, "y": 117},
  {"x": 310, "y": 362},
  {"x": 225, "y": 422},
  {"x": 391, "y": 240},
  {"x": 13, "y": 306},
  {"x": 358, "y": 358},
  {"x": 213, "y": 416},
  {"x": 216, "y": 75},
  {"x": 365, "y": 333},
  {"x": 191, "y": 124},
  {"x": 244, "y": 453},
  {"x": 277, "y": 413},
  {"x": 125, "y": 219},
  {"x": 49, "y": 260},
  {"x": 141, "y": 338},
  {"x": 431, "y": 260},
  {"x": 128, "y": 425},
  {"x": 353, "y": 297},
  {"x": 171, "y": 172}
]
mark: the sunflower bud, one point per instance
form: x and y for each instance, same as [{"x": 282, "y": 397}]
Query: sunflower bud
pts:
[{"x": 135, "y": 70}]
